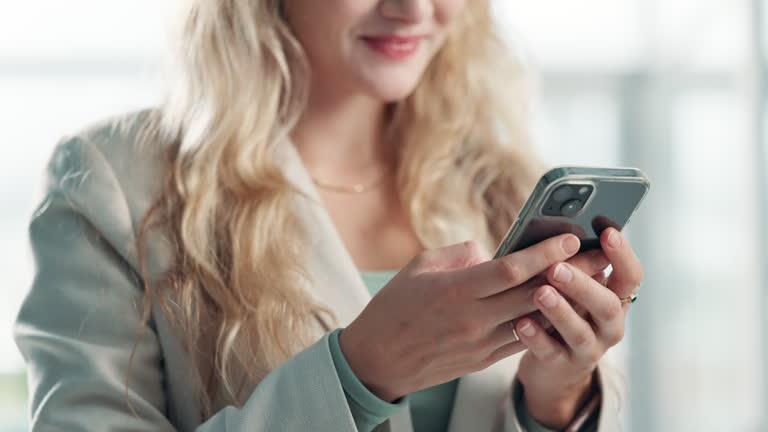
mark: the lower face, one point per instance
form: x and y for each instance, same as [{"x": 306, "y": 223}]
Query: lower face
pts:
[{"x": 377, "y": 47}]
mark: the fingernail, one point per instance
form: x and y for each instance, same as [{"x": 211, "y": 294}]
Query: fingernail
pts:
[
  {"x": 571, "y": 245},
  {"x": 600, "y": 261},
  {"x": 614, "y": 239},
  {"x": 563, "y": 274},
  {"x": 528, "y": 329},
  {"x": 548, "y": 299}
]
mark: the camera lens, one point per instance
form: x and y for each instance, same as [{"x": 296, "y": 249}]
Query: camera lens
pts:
[
  {"x": 562, "y": 193},
  {"x": 571, "y": 208}
]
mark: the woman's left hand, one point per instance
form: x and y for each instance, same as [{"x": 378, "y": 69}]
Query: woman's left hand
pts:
[{"x": 557, "y": 371}]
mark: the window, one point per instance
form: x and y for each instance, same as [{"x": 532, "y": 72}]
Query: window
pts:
[
  {"x": 669, "y": 86},
  {"x": 62, "y": 66}
]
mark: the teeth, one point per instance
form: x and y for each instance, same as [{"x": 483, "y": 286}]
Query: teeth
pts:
[
  {"x": 397, "y": 47},
  {"x": 403, "y": 46}
]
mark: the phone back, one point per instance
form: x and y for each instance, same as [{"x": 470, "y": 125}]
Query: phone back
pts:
[{"x": 579, "y": 200}]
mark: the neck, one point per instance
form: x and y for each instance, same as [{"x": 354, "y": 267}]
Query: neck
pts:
[{"x": 341, "y": 138}]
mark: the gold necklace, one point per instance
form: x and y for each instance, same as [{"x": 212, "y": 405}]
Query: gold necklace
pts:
[{"x": 355, "y": 188}]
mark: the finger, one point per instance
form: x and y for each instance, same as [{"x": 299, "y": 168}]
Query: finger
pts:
[
  {"x": 601, "y": 278},
  {"x": 627, "y": 271},
  {"x": 592, "y": 262},
  {"x": 575, "y": 331},
  {"x": 513, "y": 304},
  {"x": 603, "y": 305},
  {"x": 581, "y": 310},
  {"x": 517, "y": 303},
  {"x": 543, "y": 346},
  {"x": 535, "y": 316},
  {"x": 504, "y": 352},
  {"x": 502, "y": 335},
  {"x": 491, "y": 277},
  {"x": 509, "y": 305},
  {"x": 540, "y": 319}
]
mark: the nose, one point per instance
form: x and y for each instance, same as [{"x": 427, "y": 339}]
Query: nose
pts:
[{"x": 407, "y": 10}]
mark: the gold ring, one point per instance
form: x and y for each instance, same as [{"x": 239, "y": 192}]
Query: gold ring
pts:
[
  {"x": 628, "y": 299},
  {"x": 512, "y": 324}
]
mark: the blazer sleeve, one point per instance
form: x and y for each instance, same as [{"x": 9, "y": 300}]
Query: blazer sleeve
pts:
[
  {"x": 609, "y": 418},
  {"x": 78, "y": 325}
]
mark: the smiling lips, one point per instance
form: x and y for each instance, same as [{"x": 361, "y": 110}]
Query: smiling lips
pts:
[{"x": 394, "y": 47}]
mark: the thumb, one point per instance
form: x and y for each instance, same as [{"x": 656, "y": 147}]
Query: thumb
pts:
[{"x": 455, "y": 256}]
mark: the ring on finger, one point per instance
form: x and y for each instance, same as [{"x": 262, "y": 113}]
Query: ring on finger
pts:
[
  {"x": 628, "y": 299},
  {"x": 512, "y": 324}
]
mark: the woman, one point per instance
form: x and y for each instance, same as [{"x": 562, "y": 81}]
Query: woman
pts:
[{"x": 201, "y": 265}]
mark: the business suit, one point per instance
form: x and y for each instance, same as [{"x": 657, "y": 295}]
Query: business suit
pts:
[{"x": 77, "y": 326}]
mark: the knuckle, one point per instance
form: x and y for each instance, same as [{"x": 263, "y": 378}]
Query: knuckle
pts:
[
  {"x": 639, "y": 274},
  {"x": 560, "y": 314},
  {"x": 616, "y": 336},
  {"x": 613, "y": 310},
  {"x": 595, "y": 355},
  {"x": 510, "y": 271},
  {"x": 551, "y": 356},
  {"x": 470, "y": 245},
  {"x": 450, "y": 293},
  {"x": 583, "y": 340},
  {"x": 530, "y": 293},
  {"x": 474, "y": 253},
  {"x": 473, "y": 248},
  {"x": 443, "y": 295},
  {"x": 469, "y": 329},
  {"x": 552, "y": 255},
  {"x": 579, "y": 284},
  {"x": 543, "y": 321}
]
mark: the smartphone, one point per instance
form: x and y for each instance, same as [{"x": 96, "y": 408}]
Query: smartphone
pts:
[{"x": 579, "y": 200}]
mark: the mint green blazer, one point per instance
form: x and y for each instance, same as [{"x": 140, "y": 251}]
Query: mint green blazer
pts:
[{"x": 78, "y": 323}]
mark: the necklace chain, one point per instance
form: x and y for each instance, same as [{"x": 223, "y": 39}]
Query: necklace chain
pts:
[{"x": 355, "y": 188}]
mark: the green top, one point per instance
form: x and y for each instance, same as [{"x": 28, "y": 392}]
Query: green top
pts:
[{"x": 430, "y": 408}]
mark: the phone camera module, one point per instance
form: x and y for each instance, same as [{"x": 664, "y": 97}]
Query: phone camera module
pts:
[
  {"x": 562, "y": 193},
  {"x": 571, "y": 208},
  {"x": 567, "y": 200}
]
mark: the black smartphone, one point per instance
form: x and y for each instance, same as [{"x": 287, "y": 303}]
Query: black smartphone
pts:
[{"x": 579, "y": 200}]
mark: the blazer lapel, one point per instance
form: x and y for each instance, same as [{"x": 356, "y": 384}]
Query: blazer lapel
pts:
[
  {"x": 480, "y": 396},
  {"x": 336, "y": 281}
]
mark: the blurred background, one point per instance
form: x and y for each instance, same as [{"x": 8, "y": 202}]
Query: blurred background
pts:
[{"x": 674, "y": 87}]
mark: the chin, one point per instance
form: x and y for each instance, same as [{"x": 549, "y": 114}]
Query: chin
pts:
[
  {"x": 393, "y": 94},
  {"x": 392, "y": 88}
]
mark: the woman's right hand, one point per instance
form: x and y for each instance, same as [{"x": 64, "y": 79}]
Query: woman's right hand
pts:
[{"x": 448, "y": 313}]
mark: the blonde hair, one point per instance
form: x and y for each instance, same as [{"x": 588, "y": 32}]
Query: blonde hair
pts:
[{"x": 239, "y": 87}]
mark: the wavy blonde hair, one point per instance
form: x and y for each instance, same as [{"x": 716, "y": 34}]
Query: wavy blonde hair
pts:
[{"x": 239, "y": 87}]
